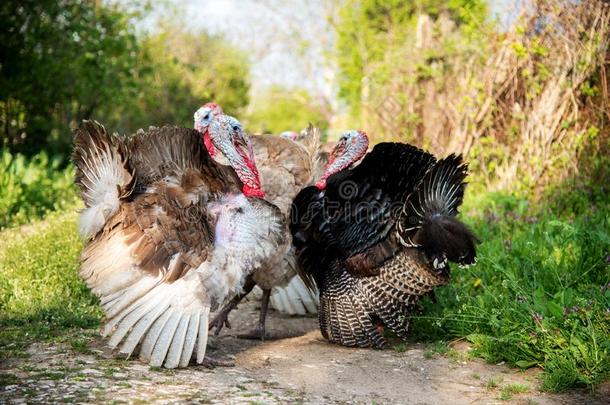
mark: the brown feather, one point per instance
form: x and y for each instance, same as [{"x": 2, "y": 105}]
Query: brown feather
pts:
[
  {"x": 285, "y": 168},
  {"x": 92, "y": 142}
]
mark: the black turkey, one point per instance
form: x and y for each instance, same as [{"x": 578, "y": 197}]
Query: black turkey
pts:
[{"x": 377, "y": 237}]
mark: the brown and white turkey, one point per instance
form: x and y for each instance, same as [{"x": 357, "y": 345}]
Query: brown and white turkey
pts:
[
  {"x": 377, "y": 237},
  {"x": 285, "y": 167},
  {"x": 171, "y": 234}
]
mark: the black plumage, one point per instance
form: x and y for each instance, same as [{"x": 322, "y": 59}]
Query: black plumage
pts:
[{"x": 378, "y": 238}]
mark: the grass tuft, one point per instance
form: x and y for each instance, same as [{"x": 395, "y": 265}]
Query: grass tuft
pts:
[
  {"x": 436, "y": 349},
  {"x": 400, "y": 347},
  {"x": 9, "y": 379},
  {"x": 508, "y": 391},
  {"x": 493, "y": 382}
]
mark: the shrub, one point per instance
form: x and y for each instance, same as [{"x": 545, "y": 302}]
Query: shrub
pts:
[{"x": 30, "y": 188}]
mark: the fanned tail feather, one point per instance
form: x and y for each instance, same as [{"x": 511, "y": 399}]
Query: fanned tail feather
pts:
[
  {"x": 428, "y": 215},
  {"x": 102, "y": 174}
]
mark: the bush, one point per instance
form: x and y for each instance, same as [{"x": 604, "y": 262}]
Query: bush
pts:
[
  {"x": 528, "y": 106},
  {"x": 30, "y": 188}
]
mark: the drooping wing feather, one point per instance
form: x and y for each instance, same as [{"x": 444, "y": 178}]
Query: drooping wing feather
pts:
[{"x": 152, "y": 269}]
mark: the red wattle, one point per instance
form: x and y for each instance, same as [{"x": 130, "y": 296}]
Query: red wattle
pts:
[
  {"x": 321, "y": 184},
  {"x": 253, "y": 192},
  {"x": 207, "y": 141}
]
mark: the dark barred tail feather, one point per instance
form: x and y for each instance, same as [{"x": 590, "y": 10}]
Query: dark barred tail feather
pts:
[
  {"x": 346, "y": 314},
  {"x": 447, "y": 237},
  {"x": 428, "y": 216}
]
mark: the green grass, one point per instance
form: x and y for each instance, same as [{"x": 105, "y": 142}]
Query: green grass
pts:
[
  {"x": 41, "y": 295},
  {"x": 435, "y": 349},
  {"x": 30, "y": 188},
  {"x": 400, "y": 347},
  {"x": 493, "y": 382},
  {"x": 508, "y": 391},
  {"x": 8, "y": 379},
  {"x": 539, "y": 294}
]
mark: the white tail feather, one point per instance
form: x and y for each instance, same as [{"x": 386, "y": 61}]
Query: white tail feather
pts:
[
  {"x": 295, "y": 298},
  {"x": 151, "y": 337},
  {"x": 190, "y": 339},
  {"x": 286, "y": 303},
  {"x": 128, "y": 322},
  {"x": 274, "y": 299},
  {"x": 308, "y": 298},
  {"x": 141, "y": 328},
  {"x": 131, "y": 296}
]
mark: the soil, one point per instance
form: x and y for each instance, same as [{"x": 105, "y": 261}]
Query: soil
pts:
[{"x": 294, "y": 365}]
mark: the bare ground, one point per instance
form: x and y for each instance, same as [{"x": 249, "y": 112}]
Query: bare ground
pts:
[{"x": 299, "y": 369}]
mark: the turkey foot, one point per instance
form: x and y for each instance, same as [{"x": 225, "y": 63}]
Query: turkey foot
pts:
[
  {"x": 259, "y": 330},
  {"x": 211, "y": 362},
  {"x": 222, "y": 317}
]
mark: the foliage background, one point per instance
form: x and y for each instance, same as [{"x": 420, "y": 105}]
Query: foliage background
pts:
[{"x": 527, "y": 102}]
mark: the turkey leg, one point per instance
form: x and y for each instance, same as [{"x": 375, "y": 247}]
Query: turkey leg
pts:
[{"x": 259, "y": 330}]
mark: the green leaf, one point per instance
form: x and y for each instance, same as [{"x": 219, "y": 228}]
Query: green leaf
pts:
[
  {"x": 554, "y": 309},
  {"x": 525, "y": 364}
]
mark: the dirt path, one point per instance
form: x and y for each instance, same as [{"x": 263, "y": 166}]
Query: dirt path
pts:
[{"x": 301, "y": 369}]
